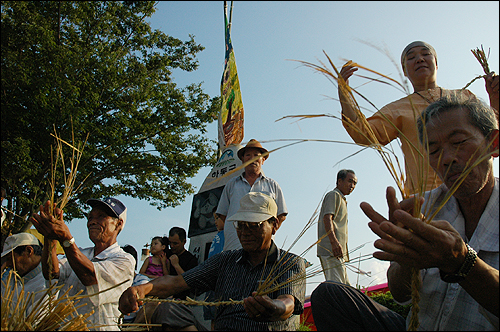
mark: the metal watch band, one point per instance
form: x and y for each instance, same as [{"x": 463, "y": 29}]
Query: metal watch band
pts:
[
  {"x": 470, "y": 260},
  {"x": 68, "y": 243},
  {"x": 463, "y": 271}
]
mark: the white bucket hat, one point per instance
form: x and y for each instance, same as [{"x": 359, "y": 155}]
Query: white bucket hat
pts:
[
  {"x": 255, "y": 207},
  {"x": 17, "y": 240}
]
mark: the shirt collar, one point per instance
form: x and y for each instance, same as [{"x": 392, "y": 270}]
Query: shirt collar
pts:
[
  {"x": 109, "y": 251},
  {"x": 261, "y": 176},
  {"x": 341, "y": 194},
  {"x": 33, "y": 273}
]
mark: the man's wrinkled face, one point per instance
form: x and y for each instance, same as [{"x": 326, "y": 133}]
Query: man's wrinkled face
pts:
[
  {"x": 255, "y": 166},
  {"x": 347, "y": 185},
  {"x": 256, "y": 239},
  {"x": 19, "y": 262},
  {"x": 454, "y": 144},
  {"x": 101, "y": 226}
]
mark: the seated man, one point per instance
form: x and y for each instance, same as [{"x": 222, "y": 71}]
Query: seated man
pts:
[
  {"x": 94, "y": 269},
  {"x": 22, "y": 253},
  {"x": 457, "y": 253},
  {"x": 236, "y": 275}
]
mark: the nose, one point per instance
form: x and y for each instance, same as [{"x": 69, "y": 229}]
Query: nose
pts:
[
  {"x": 448, "y": 156},
  {"x": 419, "y": 58}
]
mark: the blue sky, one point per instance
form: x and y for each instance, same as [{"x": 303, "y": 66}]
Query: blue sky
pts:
[{"x": 265, "y": 36}]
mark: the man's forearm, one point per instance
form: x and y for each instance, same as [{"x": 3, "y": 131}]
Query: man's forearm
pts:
[
  {"x": 81, "y": 265},
  {"x": 481, "y": 283},
  {"x": 50, "y": 252},
  {"x": 166, "y": 286}
]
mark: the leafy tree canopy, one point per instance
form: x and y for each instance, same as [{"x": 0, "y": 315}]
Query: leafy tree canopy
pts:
[{"x": 96, "y": 68}]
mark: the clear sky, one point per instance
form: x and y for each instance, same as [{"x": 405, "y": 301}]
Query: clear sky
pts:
[{"x": 265, "y": 36}]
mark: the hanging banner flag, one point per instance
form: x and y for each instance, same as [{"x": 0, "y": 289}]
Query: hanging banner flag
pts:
[{"x": 231, "y": 114}]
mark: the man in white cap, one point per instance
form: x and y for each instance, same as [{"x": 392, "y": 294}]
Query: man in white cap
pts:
[
  {"x": 252, "y": 180},
  {"x": 236, "y": 275},
  {"x": 22, "y": 254},
  {"x": 92, "y": 269},
  {"x": 398, "y": 119}
]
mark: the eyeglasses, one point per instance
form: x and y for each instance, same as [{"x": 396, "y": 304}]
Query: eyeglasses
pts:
[{"x": 253, "y": 226}]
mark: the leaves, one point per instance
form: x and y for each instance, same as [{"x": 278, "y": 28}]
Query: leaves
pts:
[{"x": 101, "y": 65}]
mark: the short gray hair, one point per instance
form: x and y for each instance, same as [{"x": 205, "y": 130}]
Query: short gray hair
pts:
[
  {"x": 480, "y": 115},
  {"x": 342, "y": 174}
]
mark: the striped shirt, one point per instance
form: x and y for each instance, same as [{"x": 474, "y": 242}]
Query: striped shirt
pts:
[{"x": 231, "y": 276}]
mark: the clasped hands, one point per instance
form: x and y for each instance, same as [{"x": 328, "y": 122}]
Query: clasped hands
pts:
[
  {"x": 50, "y": 223},
  {"x": 412, "y": 242}
]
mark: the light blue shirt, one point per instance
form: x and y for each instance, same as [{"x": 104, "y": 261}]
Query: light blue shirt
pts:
[{"x": 233, "y": 192}]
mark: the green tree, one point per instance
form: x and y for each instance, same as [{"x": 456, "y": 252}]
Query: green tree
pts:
[{"x": 97, "y": 68}]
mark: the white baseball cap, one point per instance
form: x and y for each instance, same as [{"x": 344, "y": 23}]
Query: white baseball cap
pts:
[
  {"x": 20, "y": 239},
  {"x": 255, "y": 207}
]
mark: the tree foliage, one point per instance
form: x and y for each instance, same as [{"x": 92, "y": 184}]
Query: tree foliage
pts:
[{"x": 97, "y": 68}]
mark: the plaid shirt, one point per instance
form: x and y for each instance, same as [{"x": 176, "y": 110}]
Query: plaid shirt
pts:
[
  {"x": 231, "y": 276},
  {"x": 447, "y": 306}
]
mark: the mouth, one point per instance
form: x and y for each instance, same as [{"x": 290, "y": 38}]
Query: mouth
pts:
[{"x": 453, "y": 176}]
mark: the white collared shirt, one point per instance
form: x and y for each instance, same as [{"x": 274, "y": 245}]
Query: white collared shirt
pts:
[{"x": 112, "y": 266}]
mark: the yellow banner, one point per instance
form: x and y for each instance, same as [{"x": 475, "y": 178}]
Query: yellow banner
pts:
[{"x": 231, "y": 114}]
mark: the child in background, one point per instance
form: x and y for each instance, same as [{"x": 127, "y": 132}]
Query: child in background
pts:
[
  {"x": 157, "y": 264},
  {"x": 215, "y": 248}
]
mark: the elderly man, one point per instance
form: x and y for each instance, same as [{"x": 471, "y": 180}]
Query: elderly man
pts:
[
  {"x": 22, "y": 254},
  {"x": 332, "y": 228},
  {"x": 94, "y": 269},
  {"x": 237, "y": 274},
  {"x": 252, "y": 180},
  {"x": 397, "y": 119},
  {"x": 457, "y": 253}
]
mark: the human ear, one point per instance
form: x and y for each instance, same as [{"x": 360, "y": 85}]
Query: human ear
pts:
[{"x": 119, "y": 225}]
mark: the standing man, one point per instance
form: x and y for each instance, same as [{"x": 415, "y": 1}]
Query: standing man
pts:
[
  {"x": 92, "y": 269},
  {"x": 456, "y": 253},
  {"x": 252, "y": 180},
  {"x": 332, "y": 228}
]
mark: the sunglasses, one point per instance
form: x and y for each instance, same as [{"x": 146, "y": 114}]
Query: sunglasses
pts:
[{"x": 253, "y": 226}]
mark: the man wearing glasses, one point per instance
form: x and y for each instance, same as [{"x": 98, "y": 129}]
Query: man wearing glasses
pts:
[{"x": 239, "y": 275}]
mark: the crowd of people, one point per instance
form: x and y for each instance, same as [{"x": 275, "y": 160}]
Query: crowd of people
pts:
[{"x": 259, "y": 286}]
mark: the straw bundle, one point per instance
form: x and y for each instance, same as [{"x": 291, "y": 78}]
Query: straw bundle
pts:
[
  {"x": 57, "y": 157},
  {"x": 483, "y": 61},
  {"x": 20, "y": 311}
]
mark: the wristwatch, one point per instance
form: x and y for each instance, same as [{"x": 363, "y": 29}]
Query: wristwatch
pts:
[
  {"x": 463, "y": 271},
  {"x": 68, "y": 243}
]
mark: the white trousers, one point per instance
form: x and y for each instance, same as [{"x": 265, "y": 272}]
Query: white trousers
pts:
[{"x": 334, "y": 269}]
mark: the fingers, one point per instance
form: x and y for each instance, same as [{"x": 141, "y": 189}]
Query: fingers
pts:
[
  {"x": 128, "y": 301},
  {"x": 371, "y": 213},
  {"x": 492, "y": 82},
  {"x": 347, "y": 71},
  {"x": 392, "y": 202},
  {"x": 260, "y": 308}
]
